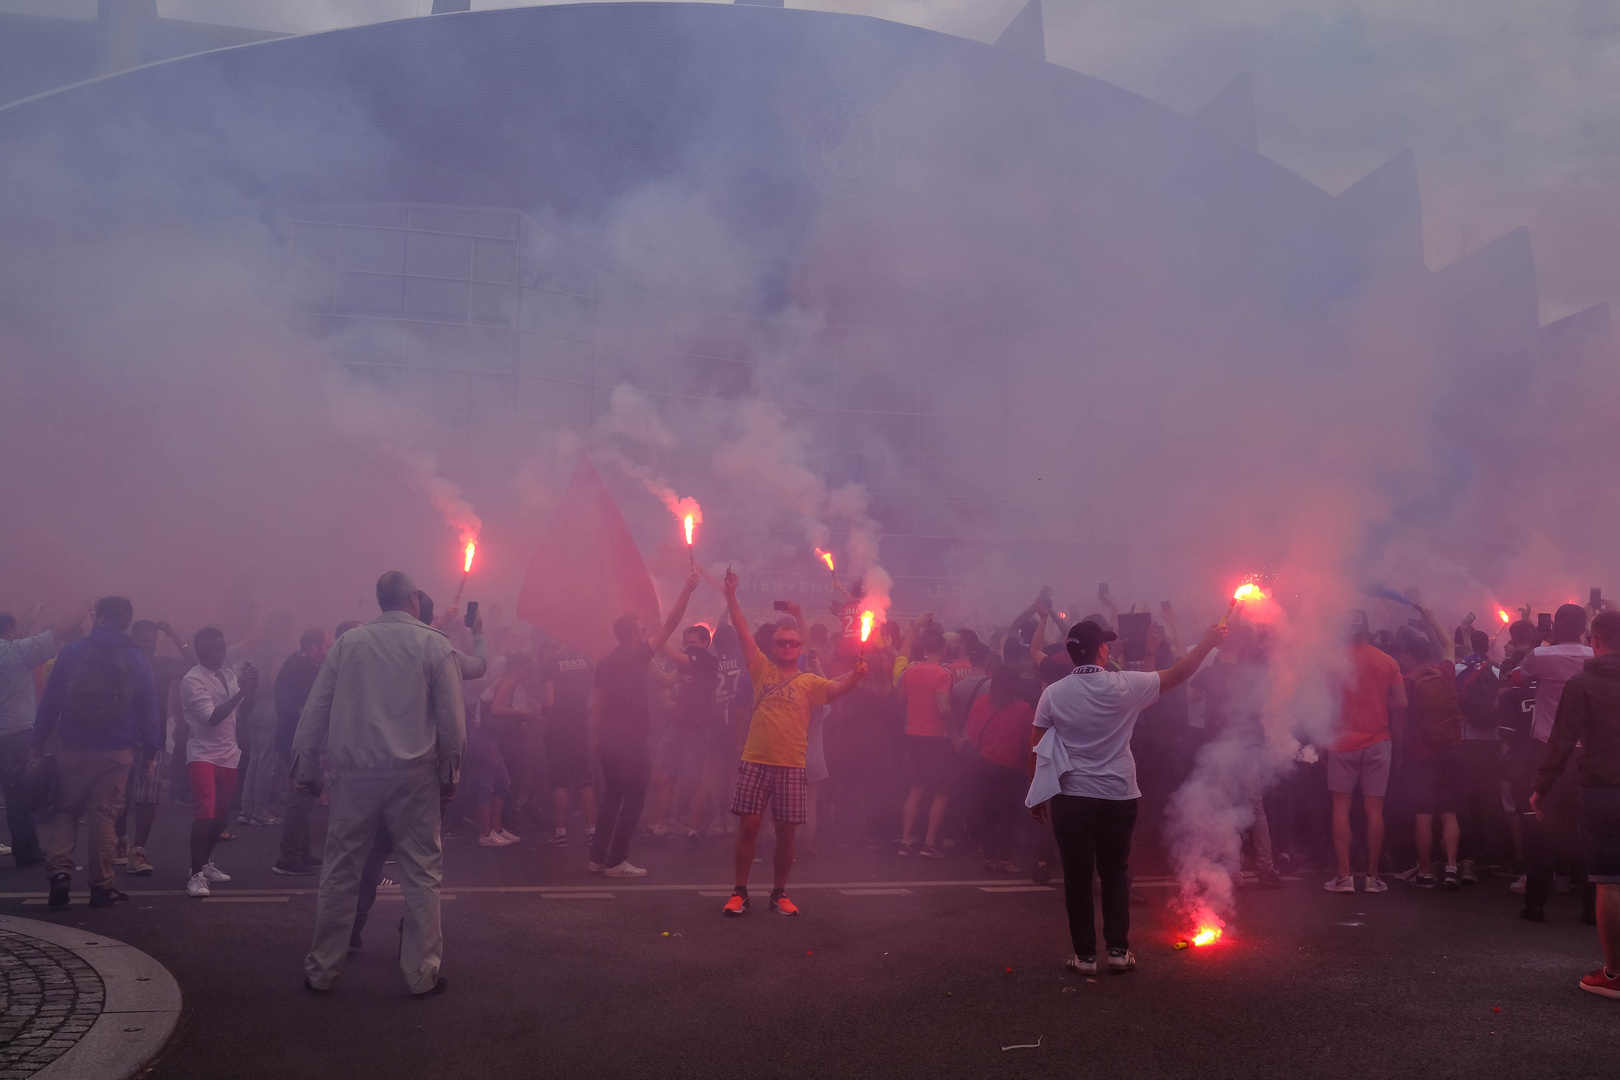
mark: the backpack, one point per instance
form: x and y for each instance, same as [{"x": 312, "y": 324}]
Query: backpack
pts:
[
  {"x": 1477, "y": 688},
  {"x": 100, "y": 690},
  {"x": 1434, "y": 714},
  {"x": 1516, "y": 708}
]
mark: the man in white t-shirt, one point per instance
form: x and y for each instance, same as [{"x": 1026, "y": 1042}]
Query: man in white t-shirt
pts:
[
  {"x": 212, "y": 698},
  {"x": 1085, "y": 781}
]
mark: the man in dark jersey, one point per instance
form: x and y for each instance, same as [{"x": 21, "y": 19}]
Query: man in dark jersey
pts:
[
  {"x": 619, "y": 720},
  {"x": 683, "y": 752},
  {"x": 567, "y": 677}
]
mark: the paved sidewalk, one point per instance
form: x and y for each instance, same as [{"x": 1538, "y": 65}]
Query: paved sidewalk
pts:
[{"x": 75, "y": 1005}]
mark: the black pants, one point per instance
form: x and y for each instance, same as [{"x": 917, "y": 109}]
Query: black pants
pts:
[
  {"x": 24, "y": 837},
  {"x": 626, "y": 772},
  {"x": 1095, "y": 835},
  {"x": 1552, "y": 842},
  {"x": 1001, "y": 806},
  {"x": 295, "y": 845},
  {"x": 370, "y": 878}
]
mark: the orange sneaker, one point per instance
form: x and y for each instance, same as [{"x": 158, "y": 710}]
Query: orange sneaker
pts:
[
  {"x": 735, "y": 906},
  {"x": 1600, "y": 982},
  {"x": 783, "y": 906}
]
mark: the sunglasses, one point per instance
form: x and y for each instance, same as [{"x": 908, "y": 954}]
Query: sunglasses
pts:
[{"x": 788, "y": 643}]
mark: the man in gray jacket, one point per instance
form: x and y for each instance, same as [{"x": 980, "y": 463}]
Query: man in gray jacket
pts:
[{"x": 387, "y": 702}]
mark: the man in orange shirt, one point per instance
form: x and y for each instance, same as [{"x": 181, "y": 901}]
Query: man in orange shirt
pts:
[
  {"x": 926, "y": 686},
  {"x": 771, "y": 772},
  {"x": 1361, "y": 751}
]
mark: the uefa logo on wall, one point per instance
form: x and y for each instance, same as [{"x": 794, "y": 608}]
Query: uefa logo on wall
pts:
[{"x": 847, "y": 147}]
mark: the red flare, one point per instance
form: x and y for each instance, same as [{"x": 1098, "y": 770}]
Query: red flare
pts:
[
  {"x": 826, "y": 557},
  {"x": 689, "y": 524},
  {"x": 866, "y": 625},
  {"x": 466, "y": 564}
]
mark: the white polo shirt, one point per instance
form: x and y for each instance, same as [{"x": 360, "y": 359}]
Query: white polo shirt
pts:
[{"x": 1091, "y": 715}]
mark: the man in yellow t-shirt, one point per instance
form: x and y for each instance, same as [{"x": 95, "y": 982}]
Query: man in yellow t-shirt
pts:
[{"x": 771, "y": 772}]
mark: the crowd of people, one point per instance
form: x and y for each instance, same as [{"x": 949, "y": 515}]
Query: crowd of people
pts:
[{"x": 927, "y": 740}]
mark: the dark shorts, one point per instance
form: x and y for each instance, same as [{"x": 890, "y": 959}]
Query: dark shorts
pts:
[
  {"x": 490, "y": 780},
  {"x": 1600, "y": 834},
  {"x": 781, "y": 787},
  {"x": 568, "y": 753},
  {"x": 1436, "y": 785},
  {"x": 929, "y": 761},
  {"x": 682, "y": 753}
]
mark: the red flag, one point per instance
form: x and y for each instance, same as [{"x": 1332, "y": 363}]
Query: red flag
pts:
[{"x": 588, "y": 570}]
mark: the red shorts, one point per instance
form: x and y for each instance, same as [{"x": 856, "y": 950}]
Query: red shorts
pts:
[{"x": 212, "y": 788}]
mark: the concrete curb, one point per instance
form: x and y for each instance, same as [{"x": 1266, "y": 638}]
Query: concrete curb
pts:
[{"x": 138, "y": 1014}]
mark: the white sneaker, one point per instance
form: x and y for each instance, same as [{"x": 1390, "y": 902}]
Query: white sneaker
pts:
[
  {"x": 5, "y": 849},
  {"x": 1085, "y": 965},
  {"x": 624, "y": 869},
  {"x": 1121, "y": 961},
  {"x": 1341, "y": 884},
  {"x": 490, "y": 839},
  {"x": 1375, "y": 884},
  {"x": 198, "y": 885},
  {"x": 388, "y": 885},
  {"x": 508, "y": 837},
  {"x": 1518, "y": 886},
  {"x": 214, "y": 874}
]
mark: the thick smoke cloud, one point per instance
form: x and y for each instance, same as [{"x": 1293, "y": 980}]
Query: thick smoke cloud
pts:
[{"x": 188, "y": 446}]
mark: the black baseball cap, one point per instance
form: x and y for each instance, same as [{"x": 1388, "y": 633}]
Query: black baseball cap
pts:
[{"x": 1086, "y": 637}]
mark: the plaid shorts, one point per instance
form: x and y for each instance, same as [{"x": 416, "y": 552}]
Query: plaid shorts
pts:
[
  {"x": 781, "y": 787},
  {"x": 140, "y": 791}
]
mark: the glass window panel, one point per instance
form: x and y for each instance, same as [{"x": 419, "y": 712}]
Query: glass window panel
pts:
[
  {"x": 368, "y": 294},
  {"x": 441, "y": 301},
  {"x": 438, "y": 256},
  {"x": 494, "y": 260},
  {"x": 493, "y": 305},
  {"x": 382, "y": 250}
]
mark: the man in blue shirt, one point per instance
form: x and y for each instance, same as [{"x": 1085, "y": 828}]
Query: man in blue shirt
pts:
[{"x": 99, "y": 706}]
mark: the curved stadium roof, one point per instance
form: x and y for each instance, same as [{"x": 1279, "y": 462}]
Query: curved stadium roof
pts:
[{"x": 876, "y": 172}]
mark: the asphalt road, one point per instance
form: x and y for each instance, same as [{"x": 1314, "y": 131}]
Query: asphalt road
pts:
[{"x": 897, "y": 968}]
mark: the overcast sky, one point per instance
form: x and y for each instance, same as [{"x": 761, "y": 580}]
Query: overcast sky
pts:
[{"x": 1510, "y": 105}]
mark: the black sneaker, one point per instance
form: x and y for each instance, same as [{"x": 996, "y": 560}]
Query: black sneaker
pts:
[
  {"x": 1270, "y": 879},
  {"x": 1423, "y": 881},
  {"x": 291, "y": 869},
  {"x": 100, "y": 898},
  {"x": 1451, "y": 880},
  {"x": 1041, "y": 874},
  {"x": 61, "y": 886}
]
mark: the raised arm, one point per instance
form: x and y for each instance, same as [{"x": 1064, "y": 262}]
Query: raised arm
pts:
[
  {"x": 846, "y": 682},
  {"x": 1182, "y": 670},
  {"x": 1448, "y": 648},
  {"x": 676, "y": 614},
  {"x": 744, "y": 636}
]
